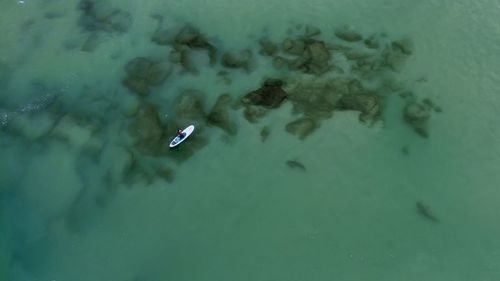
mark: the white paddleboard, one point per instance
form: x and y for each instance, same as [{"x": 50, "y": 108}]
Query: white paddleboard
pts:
[{"x": 186, "y": 133}]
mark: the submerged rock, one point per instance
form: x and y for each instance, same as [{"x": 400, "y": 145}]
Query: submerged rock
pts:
[
  {"x": 142, "y": 73},
  {"x": 166, "y": 173},
  {"x": 367, "y": 104},
  {"x": 92, "y": 42},
  {"x": 317, "y": 98},
  {"x": 267, "y": 47},
  {"x": 349, "y": 36},
  {"x": 393, "y": 56},
  {"x": 281, "y": 63},
  {"x": 181, "y": 55},
  {"x": 312, "y": 31},
  {"x": 147, "y": 130},
  {"x": 310, "y": 56},
  {"x": 264, "y": 134},
  {"x": 416, "y": 115},
  {"x": 294, "y": 47},
  {"x": 161, "y": 37},
  {"x": 253, "y": 113},
  {"x": 102, "y": 16},
  {"x": 269, "y": 95},
  {"x": 404, "y": 46},
  {"x": 192, "y": 38},
  {"x": 76, "y": 132},
  {"x": 372, "y": 42},
  {"x": 237, "y": 60},
  {"x": 318, "y": 105},
  {"x": 219, "y": 115},
  {"x": 301, "y": 127},
  {"x": 189, "y": 105}
]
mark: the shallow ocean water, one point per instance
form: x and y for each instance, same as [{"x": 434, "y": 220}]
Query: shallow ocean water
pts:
[{"x": 78, "y": 201}]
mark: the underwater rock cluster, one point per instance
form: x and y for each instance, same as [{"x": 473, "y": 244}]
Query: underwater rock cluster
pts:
[
  {"x": 324, "y": 73},
  {"x": 417, "y": 113},
  {"x": 102, "y": 16},
  {"x": 99, "y": 17},
  {"x": 144, "y": 73},
  {"x": 270, "y": 95},
  {"x": 318, "y": 72}
]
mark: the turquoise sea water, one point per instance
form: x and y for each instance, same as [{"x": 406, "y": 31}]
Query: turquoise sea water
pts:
[{"x": 82, "y": 199}]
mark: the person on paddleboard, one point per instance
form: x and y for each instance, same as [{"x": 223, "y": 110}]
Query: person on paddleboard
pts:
[{"x": 180, "y": 134}]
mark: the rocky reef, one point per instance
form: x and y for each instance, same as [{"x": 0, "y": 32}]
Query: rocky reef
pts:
[
  {"x": 183, "y": 42},
  {"x": 98, "y": 17},
  {"x": 270, "y": 95},
  {"x": 144, "y": 73},
  {"x": 417, "y": 113},
  {"x": 219, "y": 115}
]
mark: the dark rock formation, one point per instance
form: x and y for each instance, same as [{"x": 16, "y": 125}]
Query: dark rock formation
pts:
[
  {"x": 311, "y": 56},
  {"x": 349, "y": 36},
  {"x": 372, "y": 42},
  {"x": 166, "y": 173},
  {"x": 193, "y": 39},
  {"x": 102, "y": 16},
  {"x": 294, "y": 47},
  {"x": 181, "y": 55},
  {"x": 237, "y": 60},
  {"x": 417, "y": 115},
  {"x": 142, "y": 73},
  {"x": 147, "y": 129},
  {"x": 312, "y": 31},
  {"x": 318, "y": 57},
  {"x": 268, "y": 48},
  {"x": 92, "y": 42},
  {"x": 367, "y": 104},
  {"x": 161, "y": 37},
  {"x": 253, "y": 113},
  {"x": 219, "y": 115},
  {"x": 301, "y": 127},
  {"x": 404, "y": 46},
  {"x": 269, "y": 95},
  {"x": 189, "y": 105}
]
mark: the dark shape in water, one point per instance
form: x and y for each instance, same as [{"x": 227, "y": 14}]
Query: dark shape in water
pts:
[
  {"x": 417, "y": 115},
  {"x": 264, "y": 134},
  {"x": 219, "y": 115},
  {"x": 253, "y": 113},
  {"x": 349, "y": 36},
  {"x": 146, "y": 129},
  {"x": 166, "y": 173},
  {"x": 404, "y": 46},
  {"x": 189, "y": 104},
  {"x": 142, "y": 73},
  {"x": 269, "y": 95},
  {"x": 367, "y": 104},
  {"x": 372, "y": 42},
  {"x": 311, "y": 56},
  {"x": 294, "y": 164},
  {"x": 405, "y": 150},
  {"x": 101, "y": 16},
  {"x": 237, "y": 60},
  {"x": 92, "y": 42},
  {"x": 192, "y": 38},
  {"x": 267, "y": 47},
  {"x": 425, "y": 212},
  {"x": 301, "y": 127}
]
